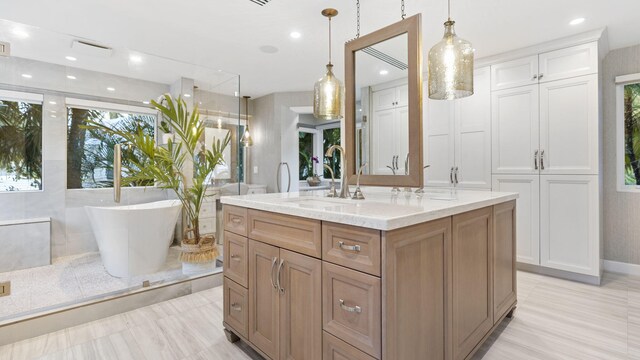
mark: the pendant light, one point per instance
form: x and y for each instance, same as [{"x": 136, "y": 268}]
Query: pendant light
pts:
[
  {"x": 450, "y": 65},
  {"x": 246, "y": 137},
  {"x": 327, "y": 92}
]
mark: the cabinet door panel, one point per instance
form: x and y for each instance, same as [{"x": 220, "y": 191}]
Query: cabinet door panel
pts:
[
  {"x": 300, "y": 307},
  {"x": 384, "y": 99},
  {"x": 514, "y": 73},
  {"x": 504, "y": 259},
  {"x": 569, "y": 225},
  {"x": 472, "y": 297},
  {"x": 417, "y": 273},
  {"x": 515, "y": 128},
  {"x": 528, "y": 214},
  {"x": 382, "y": 128},
  {"x": 402, "y": 95},
  {"x": 473, "y": 134},
  {"x": 439, "y": 145},
  {"x": 569, "y": 126},
  {"x": 264, "y": 302},
  {"x": 570, "y": 62},
  {"x": 401, "y": 135}
]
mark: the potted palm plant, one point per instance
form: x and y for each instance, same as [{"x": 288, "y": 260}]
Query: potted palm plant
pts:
[{"x": 168, "y": 166}]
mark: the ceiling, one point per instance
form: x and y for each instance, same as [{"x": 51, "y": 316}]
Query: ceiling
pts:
[{"x": 228, "y": 34}]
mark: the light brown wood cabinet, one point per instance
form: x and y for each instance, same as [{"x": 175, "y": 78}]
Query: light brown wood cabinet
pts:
[{"x": 317, "y": 290}]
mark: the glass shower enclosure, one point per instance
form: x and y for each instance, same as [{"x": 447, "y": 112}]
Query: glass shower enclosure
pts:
[{"x": 66, "y": 237}]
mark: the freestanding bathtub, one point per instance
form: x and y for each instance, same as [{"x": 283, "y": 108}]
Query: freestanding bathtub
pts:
[{"x": 134, "y": 239}]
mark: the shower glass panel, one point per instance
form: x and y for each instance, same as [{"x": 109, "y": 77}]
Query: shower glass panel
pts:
[{"x": 64, "y": 238}]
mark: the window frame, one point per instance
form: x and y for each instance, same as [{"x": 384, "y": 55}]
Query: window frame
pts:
[
  {"x": 30, "y": 98},
  {"x": 111, "y": 107},
  {"x": 321, "y": 129},
  {"x": 317, "y": 146},
  {"x": 621, "y": 82}
]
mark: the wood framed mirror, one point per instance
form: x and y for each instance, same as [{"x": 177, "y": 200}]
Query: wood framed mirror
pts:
[{"x": 383, "y": 110}]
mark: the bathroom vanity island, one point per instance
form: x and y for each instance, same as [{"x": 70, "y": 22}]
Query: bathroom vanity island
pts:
[{"x": 392, "y": 277}]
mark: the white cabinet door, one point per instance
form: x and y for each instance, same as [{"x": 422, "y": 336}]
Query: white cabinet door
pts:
[
  {"x": 473, "y": 134},
  {"x": 402, "y": 95},
  {"x": 514, "y": 73},
  {"x": 569, "y": 126},
  {"x": 382, "y": 131},
  {"x": 527, "y": 213},
  {"x": 570, "y": 62},
  {"x": 569, "y": 223},
  {"x": 401, "y": 134},
  {"x": 439, "y": 142},
  {"x": 515, "y": 129},
  {"x": 384, "y": 99}
]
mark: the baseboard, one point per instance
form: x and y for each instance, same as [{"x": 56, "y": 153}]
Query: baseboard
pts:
[
  {"x": 621, "y": 267},
  {"x": 30, "y": 327},
  {"x": 589, "y": 279}
]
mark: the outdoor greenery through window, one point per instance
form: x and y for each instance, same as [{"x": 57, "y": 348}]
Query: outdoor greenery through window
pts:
[
  {"x": 20, "y": 146},
  {"x": 331, "y": 137},
  {"x": 305, "y": 154},
  {"x": 632, "y": 134},
  {"x": 90, "y": 152}
]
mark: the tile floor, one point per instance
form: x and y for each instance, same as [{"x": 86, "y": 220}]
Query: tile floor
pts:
[
  {"x": 71, "y": 279},
  {"x": 555, "y": 319}
]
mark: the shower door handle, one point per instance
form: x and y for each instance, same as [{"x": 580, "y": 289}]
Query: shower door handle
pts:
[
  {"x": 117, "y": 172},
  {"x": 288, "y": 177},
  {"x": 278, "y": 176}
]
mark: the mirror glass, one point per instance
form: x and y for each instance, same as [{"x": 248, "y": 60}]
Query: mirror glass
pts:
[{"x": 381, "y": 100}]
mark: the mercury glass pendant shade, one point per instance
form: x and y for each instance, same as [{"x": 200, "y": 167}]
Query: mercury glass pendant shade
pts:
[
  {"x": 327, "y": 97},
  {"x": 450, "y": 66},
  {"x": 246, "y": 139}
]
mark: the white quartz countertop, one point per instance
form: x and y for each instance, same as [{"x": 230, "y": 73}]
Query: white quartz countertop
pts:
[{"x": 380, "y": 210}]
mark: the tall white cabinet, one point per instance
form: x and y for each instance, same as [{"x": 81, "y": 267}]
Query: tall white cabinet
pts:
[
  {"x": 458, "y": 138},
  {"x": 389, "y": 126},
  {"x": 545, "y": 119}
]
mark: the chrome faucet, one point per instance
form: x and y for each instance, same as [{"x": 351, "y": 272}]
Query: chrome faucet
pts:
[
  {"x": 344, "y": 189},
  {"x": 358, "y": 194}
]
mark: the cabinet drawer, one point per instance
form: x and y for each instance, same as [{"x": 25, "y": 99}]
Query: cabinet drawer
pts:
[
  {"x": 235, "y": 219},
  {"x": 354, "y": 247},
  {"x": 207, "y": 225},
  {"x": 236, "y": 309},
  {"x": 351, "y": 307},
  {"x": 208, "y": 209},
  {"x": 288, "y": 232},
  {"x": 236, "y": 253},
  {"x": 336, "y": 349}
]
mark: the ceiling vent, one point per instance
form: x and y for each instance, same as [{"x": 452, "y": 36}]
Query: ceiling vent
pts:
[
  {"x": 87, "y": 48},
  {"x": 260, "y": 2},
  {"x": 5, "y": 48}
]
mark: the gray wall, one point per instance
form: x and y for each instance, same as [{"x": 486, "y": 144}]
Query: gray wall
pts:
[
  {"x": 621, "y": 209},
  {"x": 275, "y": 129}
]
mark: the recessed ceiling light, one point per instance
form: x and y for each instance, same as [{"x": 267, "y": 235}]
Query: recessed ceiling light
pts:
[
  {"x": 71, "y": 77},
  {"x": 111, "y": 89},
  {"x": 135, "y": 59},
  {"x": 70, "y": 58},
  {"x": 268, "y": 49},
  {"x": 52, "y": 102},
  {"x": 295, "y": 35},
  {"x": 21, "y": 33},
  {"x": 146, "y": 102},
  {"x": 27, "y": 76},
  {"x": 53, "y": 116},
  {"x": 383, "y": 72},
  {"x": 577, "y": 21},
  {"x": 187, "y": 95}
]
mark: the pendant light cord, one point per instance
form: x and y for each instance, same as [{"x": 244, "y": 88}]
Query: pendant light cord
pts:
[
  {"x": 449, "y": 10},
  {"x": 402, "y": 14},
  {"x": 329, "y": 40},
  {"x": 357, "y": 19}
]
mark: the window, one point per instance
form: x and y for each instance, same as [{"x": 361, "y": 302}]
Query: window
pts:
[
  {"x": 628, "y": 132},
  {"x": 20, "y": 141},
  {"x": 306, "y": 153},
  {"x": 90, "y": 152},
  {"x": 331, "y": 136}
]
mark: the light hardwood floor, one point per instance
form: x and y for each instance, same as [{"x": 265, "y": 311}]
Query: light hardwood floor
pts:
[{"x": 555, "y": 319}]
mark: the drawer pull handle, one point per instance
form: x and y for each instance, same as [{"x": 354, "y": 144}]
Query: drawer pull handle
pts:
[
  {"x": 236, "y": 220},
  {"x": 273, "y": 265},
  {"x": 281, "y": 289},
  {"x": 348, "y": 247},
  {"x": 236, "y": 307},
  {"x": 235, "y": 257},
  {"x": 355, "y": 309}
]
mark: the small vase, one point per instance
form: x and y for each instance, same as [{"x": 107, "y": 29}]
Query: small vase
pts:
[{"x": 313, "y": 180}]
